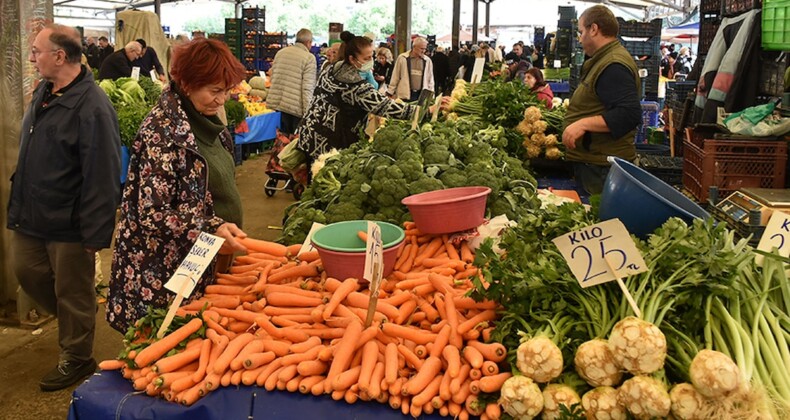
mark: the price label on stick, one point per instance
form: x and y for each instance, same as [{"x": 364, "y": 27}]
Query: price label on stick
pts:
[
  {"x": 416, "y": 118},
  {"x": 585, "y": 250},
  {"x": 307, "y": 245},
  {"x": 154, "y": 76},
  {"x": 136, "y": 73},
  {"x": 776, "y": 235},
  {"x": 436, "y": 105},
  {"x": 184, "y": 280},
  {"x": 477, "y": 70},
  {"x": 374, "y": 267}
]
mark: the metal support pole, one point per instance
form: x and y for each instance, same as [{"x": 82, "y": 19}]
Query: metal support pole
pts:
[
  {"x": 456, "y": 23},
  {"x": 475, "y": 15},
  {"x": 402, "y": 25},
  {"x": 488, "y": 18},
  {"x": 158, "y": 8}
]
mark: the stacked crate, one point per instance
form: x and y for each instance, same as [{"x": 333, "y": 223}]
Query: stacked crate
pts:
[
  {"x": 253, "y": 26},
  {"x": 773, "y": 65},
  {"x": 566, "y": 41},
  {"x": 233, "y": 36},
  {"x": 270, "y": 43},
  {"x": 708, "y": 26},
  {"x": 643, "y": 41},
  {"x": 680, "y": 99},
  {"x": 736, "y": 7},
  {"x": 539, "y": 40}
]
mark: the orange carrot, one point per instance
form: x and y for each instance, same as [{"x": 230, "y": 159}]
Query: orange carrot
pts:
[
  {"x": 231, "y": 351},
  {"x": 493, "y": 383},
  {"x": 363, "y": 236},
  {"x": 265, "y": 247},
  {"x": 429, "y": 370},
  {"x": 431, "y": 314},
  {"x": 296, "y": 358},
  {"x": 255, "y": 346},
  {"x": 301, "y": 270},
  {"x": 112, "y": 364},
  {"x": 405, "y": 311},
  {"x": 493, "y": 351},
  {"x": 205, "y": 351},
  {"x": 493, "y": 411},
  {"x": 489, "y": 368},
  {"x": 416, "y": 335},
  {"x": 345, "y": 379},
  {"x": 453, "y": 358},
  {"x": 267, "y": 372},
  {"x": 291, "y": 300},
  {"x": 427, "y": 394},
  {"x": 167, "y": 343},
  {"x": 370, "y": 353},
  {"x": 308, "y": 368},
  {"x": 466, "y": 253},
  {"x": 473, "y": 356},
  {"x": 294, "y": 249},
  {"x": 176, "y": 361},
  {"x": 307, "y": 383},
  {"x": 280, "y": 348},
  {"x": 256, "y": 360},
  {"x": 225, "y": 290},
  {"x": 484, "y": 316},
  {"x": 277, "y": 310},
  {"x": 343, "y": 354},
  {"x": 359, "y": 300},
  {"x": 410, "y": 357},
  {"x": 463, "y": 375},
  {"x": 444, "y": 389},
  {"x": 432, "y": 247},
  {"x": 339, "y": 295},
  {"x": 391, "y": 363},
  {"x": 441, "y": 341},
  {"x": 469, "y": 303},
  {"x": 404, "y": 255}
]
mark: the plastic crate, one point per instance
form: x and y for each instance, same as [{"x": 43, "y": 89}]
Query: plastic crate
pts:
[
  {"x": 566, "y": 12},
  {"x": 707, "y": 32},
  {"x": 710, "y": 6},
  {"x": 253, "y": 13},
  {"x": 665, "y": 168},
  {"x": 568, "y": 24},
  {"x": 736, "y": 7},
  {"x": 640, "y": 48},
  {"x": 772, "y": 74},
  {"x": 733, "y": 164},
  {"x": 640, "y": 29},
  {"x": 776, "y": 25}
]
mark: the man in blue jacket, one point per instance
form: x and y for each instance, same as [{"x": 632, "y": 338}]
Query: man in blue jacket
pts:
[{"x": 63, "y": 196}]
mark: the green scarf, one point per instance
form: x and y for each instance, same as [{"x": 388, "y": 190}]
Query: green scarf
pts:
[{"x": 221, "y": 165}]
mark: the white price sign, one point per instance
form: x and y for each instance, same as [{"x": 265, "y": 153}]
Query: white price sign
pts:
[
  {"x": 307, "y": 245},
  {"x": 136, "y": 73},
  {"x": 374, "y": 258},
  {"x": 588, "y": 250},
  {"x": 154, "y": 76},
  {"x": 194, "y": 265},
  {"x": 477, "y": 70},
  {"x": 776, "y": 235}
]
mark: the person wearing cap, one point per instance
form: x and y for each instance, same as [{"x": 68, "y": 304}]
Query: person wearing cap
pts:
[
  {"x": 413, "y": 73},
  {"x": 604, "y": 110},
  {"x": 149, "y": 61}
]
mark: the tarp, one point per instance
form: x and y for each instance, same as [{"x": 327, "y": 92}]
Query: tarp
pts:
[
  {"x": 134, "y": 24},
  {"x": 463, "y": 36},
  {"x": 687, "y": 31}
]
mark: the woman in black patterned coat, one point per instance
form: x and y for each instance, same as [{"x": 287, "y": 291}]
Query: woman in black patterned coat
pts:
[{"x": 342, "y": 101}]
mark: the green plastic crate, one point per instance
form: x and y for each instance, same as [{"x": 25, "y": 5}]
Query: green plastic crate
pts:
[{"x": 776, "y": 25}]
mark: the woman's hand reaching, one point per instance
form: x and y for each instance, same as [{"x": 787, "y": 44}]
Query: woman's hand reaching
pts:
[{"x": 229, "y": 232}]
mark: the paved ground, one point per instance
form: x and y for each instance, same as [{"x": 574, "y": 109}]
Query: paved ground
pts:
[{"x": 25, "y": 356}]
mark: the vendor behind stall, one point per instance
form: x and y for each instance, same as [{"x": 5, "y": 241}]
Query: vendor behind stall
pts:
[{"x": 181, "y": 182}]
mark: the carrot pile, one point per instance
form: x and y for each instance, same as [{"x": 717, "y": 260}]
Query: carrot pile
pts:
[{"x": 280, "y": 322}]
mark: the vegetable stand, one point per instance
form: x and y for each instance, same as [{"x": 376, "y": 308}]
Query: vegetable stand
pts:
[
  {"x": 107, "y": 395},
  {"x": 259, "y": 128}
]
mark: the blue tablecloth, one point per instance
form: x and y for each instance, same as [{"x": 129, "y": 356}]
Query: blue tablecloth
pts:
[
  {"x": 107, "y": 395},
  {"x": 560, "y": 87},
  {"x": 261, "y": 128}
]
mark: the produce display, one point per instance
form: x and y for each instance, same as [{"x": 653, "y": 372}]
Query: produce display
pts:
[
  {"x": 280, "y": 322},
  {"x": 132, "y": 100}
]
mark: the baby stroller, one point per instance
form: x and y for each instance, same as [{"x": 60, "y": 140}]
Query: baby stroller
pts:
[{"x": 276, "y": 173}]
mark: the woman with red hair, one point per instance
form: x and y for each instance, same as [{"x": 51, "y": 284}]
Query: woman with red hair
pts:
[{"x": 180, "y": 183}]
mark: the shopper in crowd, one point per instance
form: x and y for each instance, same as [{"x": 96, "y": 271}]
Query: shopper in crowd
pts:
[
  {"x": 468, "y": 62},
  {"x": 119, "y": 63},
  {"x": 148, "y": 61},
  {"x": 667, "y": 68},
  {"x": 534, "y": 79},
  {"x": 382, "y": 68},
  {"x": 413, "y": 72},
  {"x": 683, "y": 63},
  {"x": 342, "y": 101},
  {"x": 538, "y": 58},
  {"x": 63, "y": 196},
  {"x": 293, "y": 81},
  {"x": 441, "y": 70},
  {"x": 331, "y": 56},
  {"x": 181, "y": 182},
  {"x": 105, "y": 49},
  {"x": 92, "y": 53},
  {"x": 604, "y": 110},
  {"x": 454, "y": 64}
]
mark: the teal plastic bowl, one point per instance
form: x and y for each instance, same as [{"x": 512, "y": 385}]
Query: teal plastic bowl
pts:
[
  {"x": 342, "y": 252},
  {"x": 641, "y": 201}
]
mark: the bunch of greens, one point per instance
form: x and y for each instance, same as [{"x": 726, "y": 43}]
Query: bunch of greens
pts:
[
  {"x": 369, "y": 180},
  {"x": 132, "y": 101},
  {"x": 235, "y": 112}
]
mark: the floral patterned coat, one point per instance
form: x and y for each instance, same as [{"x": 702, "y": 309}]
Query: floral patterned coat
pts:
[{"x": 165, "y": 206}]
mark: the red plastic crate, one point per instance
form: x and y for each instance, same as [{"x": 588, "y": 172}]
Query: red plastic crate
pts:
[
  {"x": 733, "y": 164},
  {"x": 736, "y": 7}
]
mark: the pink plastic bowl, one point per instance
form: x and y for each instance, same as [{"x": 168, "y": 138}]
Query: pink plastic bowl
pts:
[{"x": 448, "y": 211}]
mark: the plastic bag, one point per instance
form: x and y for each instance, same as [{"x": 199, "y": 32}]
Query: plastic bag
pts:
[
  {"x": 491, "y": 229},
  {"x": 758, "y": 121},
  {"x": 291, "y": 157}
]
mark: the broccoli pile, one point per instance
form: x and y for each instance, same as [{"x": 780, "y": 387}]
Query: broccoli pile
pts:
[{"x": 369, "y": 179}]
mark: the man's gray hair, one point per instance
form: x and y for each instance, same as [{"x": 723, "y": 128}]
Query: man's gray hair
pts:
[
  {"x": 304, "y": 36},
  {"x": 133, "y": 46},
  {"x": 419, "y": 40},
  {"x": 68, "y": 39}
]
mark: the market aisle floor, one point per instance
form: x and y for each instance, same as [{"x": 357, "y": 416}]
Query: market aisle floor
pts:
[{"x": 25, "y": 358}]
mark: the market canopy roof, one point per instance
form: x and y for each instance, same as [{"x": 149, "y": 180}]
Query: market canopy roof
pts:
[
  {"x": 686, "y": 32},
  {"x": 463, "y": 36}
]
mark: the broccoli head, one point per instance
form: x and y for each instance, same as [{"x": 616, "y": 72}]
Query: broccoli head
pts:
[
  {"x": 341, "y": 211},
  {"x": 436, "y": 154},
  {"x": 484, "y": 175},
  {"x": 387, "y": 140},
  {"x": 425, "y": 184},
  {"x": 453, "y": 177},
  {"x": 298, "y": 224}
]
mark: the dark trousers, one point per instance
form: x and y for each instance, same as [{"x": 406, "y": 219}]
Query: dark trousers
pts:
[
  {"x": 289, "y": 123},
  {"x": 590, "y": 177},
  {"x": 59, "y": 277}
]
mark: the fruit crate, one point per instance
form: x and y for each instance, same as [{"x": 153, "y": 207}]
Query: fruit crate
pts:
[
  {"x": 633, "y": 28},
  {"x": 707, "y": 32},
  {"x": 253, "y": 13},
  {"x": 736, "y": 7},
  {"x": 731, "y": 164},
  {"x": 776, "y": 25},
  {"x": 710, "y": 6},
  {"x": 642, "y": 47},
  {"x": 566, "y": 12}
]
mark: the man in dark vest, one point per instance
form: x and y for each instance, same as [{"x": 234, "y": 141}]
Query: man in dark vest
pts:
[{"x": 604, "y": 110}]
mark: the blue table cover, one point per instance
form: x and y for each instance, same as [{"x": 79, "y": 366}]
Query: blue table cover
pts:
[
  {"x": 261, "y": 128},
  {"x": 107, "y": 395},
  {"x": 560, "y": 87}
]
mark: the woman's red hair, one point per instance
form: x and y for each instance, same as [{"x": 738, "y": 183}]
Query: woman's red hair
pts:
[{"x": 203, "y": 62}]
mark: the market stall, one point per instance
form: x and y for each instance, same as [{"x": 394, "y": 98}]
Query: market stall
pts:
[{"x": 258, "y": 128}]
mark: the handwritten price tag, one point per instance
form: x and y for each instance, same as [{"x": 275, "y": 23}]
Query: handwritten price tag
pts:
[
  {"x": 588, "y": 250},
  {"x": 776, "y": 235},
  {"x": 194, "y": 265},
  {"x": 374, "y": 260},
  {"x": 307, "y": 245},
  {"x": 136, "y": 73}
]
